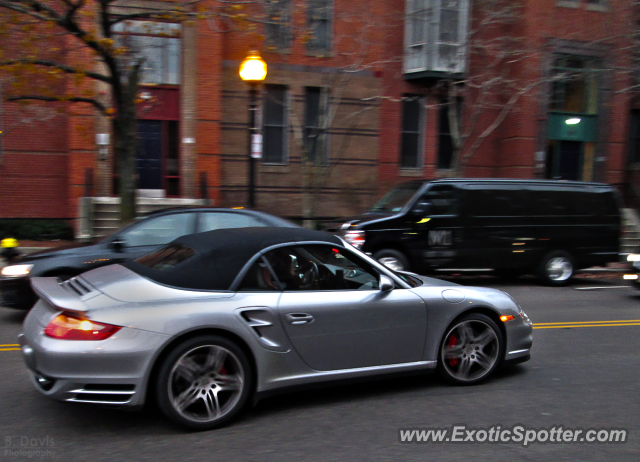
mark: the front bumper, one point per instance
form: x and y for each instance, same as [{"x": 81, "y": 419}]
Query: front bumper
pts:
[
  {"x": 113, "y": 371},
  {"x": 17, "y": 293},
  {"x": 632, "y": 278}
]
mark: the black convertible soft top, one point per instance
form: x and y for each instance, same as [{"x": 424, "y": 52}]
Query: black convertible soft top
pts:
[{"x": 220, "y": 254}]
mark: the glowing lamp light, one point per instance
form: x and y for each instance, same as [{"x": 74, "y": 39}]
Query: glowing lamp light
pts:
[
  {"x": 253, "y": 68},
  {"x": 573, "y": 121}
]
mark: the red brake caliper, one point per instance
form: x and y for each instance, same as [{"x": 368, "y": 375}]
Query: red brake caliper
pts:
[{"x": 453, "y": 341}]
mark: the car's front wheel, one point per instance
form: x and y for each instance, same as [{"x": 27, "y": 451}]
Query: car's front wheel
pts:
[
  {"x": 204, "y": 382},
  {"x": 470, "y": 350}
]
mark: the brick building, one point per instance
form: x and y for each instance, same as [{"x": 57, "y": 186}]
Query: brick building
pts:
[{"x": 359, "y": 96}]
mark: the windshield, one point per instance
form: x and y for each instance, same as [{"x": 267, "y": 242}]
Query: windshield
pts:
[{"x": 397, "y": 198}]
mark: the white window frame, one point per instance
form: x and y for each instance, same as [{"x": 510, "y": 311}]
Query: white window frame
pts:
[{"x": 424, "y": 55}]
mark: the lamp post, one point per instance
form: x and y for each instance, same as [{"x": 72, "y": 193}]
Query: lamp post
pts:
[{"x": 253, "y": 70}]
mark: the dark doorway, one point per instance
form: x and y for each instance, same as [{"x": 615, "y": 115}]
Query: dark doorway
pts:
[
  {"x": 149, "y": 154},
  {"x": 564, "y": 160}
]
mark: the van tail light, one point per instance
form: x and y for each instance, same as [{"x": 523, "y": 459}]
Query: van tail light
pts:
[
  {"x": 355, "y": 238},
  {"x": 69, "y": 327}
]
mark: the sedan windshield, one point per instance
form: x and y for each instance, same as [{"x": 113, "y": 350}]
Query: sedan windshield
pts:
[{"x": 397, "y": 198}]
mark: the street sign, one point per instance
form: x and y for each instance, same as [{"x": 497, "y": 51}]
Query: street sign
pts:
[{"x": 256, "y": 146}]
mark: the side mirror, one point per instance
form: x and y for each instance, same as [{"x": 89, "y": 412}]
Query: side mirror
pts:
[
  {"x": 421, "y": 209},
  {"x": 386, "y": 284},
  {"x": 118, "y": 244}
]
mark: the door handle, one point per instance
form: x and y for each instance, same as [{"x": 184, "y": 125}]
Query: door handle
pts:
[{"x": 297, "y": 319}]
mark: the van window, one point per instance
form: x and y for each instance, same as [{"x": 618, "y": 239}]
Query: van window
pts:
[
  {"x": 443, "y": 200},
  {"x": 497, "y": 201}
]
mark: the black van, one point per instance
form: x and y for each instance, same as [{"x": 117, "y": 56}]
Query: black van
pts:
[{"x": 549, "y": 228}]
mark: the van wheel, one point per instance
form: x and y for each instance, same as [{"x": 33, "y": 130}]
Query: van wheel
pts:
[
  {"x": 556, "y": 268},
  {"x": 393, "y": 259}
]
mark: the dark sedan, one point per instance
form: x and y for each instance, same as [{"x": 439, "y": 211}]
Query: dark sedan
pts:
[{"x": 130, "y": 242}]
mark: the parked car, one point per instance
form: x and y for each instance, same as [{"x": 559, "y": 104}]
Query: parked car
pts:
[
  {"x": 218, "y": 318},
  {"x": 548, "y": 228},
  {"x": 633, "y": 274},
  {"x": 132, "y": 241}
]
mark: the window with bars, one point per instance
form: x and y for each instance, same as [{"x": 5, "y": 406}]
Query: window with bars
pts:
[
  {"x": 412, "y": 132},
  {"x": 315, "y": 136},
  {"x": 158, "y": 44},
  {"x": 278, "y": 24},
  {"x": 435, "y": 35},
  {"x": 319, "y": 15},
  {"x": 274, "y": 125}
]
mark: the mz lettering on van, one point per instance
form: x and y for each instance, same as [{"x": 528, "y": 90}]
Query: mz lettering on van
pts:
[{"x": 440, "y": 237}]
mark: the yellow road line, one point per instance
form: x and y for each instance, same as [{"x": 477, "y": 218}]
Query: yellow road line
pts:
[
  {"x": 584, "y": 322},
  {"x": 9, "y": 345},
  {"x": 570, "y": 326},
  {"x": 9, "y": 349}
]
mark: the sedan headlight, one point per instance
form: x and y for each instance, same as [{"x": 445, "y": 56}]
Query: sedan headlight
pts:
[
  {"x": 633, "y": 257},
  {"x": 16, "y": 271}
]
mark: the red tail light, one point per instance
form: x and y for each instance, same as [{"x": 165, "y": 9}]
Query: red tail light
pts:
[{"x": 68, "y": 327}]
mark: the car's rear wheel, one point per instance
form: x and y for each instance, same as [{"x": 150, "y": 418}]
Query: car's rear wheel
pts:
[
  {"x": 556, "y": 268},
  {"x": 204, "y": 382},
  {"x": 393, "y": 259},
  {"x": 471, "y": 349}
]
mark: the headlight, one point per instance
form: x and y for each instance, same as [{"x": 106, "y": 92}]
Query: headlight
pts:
[
  {"x": 633, "y": 257},
  {"x": 355, "y": 238},
  {"x": 16, "y": 271}
]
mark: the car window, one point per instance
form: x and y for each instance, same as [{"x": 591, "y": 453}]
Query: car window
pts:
[
  {"x": 222, "y": 220},
  {"x": 259, "y": 278},
  {"x": 159, "y": 230},
  {"x": 320, "y": 267},
  {"x": 443, "y": 200}
]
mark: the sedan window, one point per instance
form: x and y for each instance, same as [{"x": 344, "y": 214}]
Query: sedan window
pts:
[
  {"x": 159, "y": 230},
  {"x": 321, "y": 267},
  {"x": 223, "y": 220}
]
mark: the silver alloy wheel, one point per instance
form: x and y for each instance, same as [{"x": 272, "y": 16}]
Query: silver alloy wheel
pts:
[
  {"x": 470, "y": 350},
  {"x": 392, "y": 263},
  {"x": 559, "y": 269},
  {"x": 206, "y": 383}
]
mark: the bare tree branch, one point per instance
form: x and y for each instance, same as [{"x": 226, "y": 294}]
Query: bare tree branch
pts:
[{"x": 74, "y": 99}]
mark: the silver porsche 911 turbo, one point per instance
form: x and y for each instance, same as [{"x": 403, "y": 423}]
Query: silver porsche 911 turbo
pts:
[{"x": 215, "y": 319}]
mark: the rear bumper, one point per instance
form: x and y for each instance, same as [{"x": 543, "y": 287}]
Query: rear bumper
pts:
[{"x": 111, "y": 372}]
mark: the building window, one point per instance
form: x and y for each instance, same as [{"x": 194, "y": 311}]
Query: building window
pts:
[
  {"x": 412, "y": 131},
  {"x": 575, "y": 85},
  {"x": 319, "y": 14},
  {"x": 634, "y": 137},
  {"x": 157, "y": 44},
  {"x": 278, "y": 27},
  {"x": 315, "y": 137},
  {"x": 1, "y": 122},
  {"x": 274, "y": 126},
  {"x": 445, "y": 139},
  {"x": 435, "y": 35},
  {"x": 597, "y": 5}
]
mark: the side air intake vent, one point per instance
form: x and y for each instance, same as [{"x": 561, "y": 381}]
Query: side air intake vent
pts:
[{"x": 265, "y": 325}]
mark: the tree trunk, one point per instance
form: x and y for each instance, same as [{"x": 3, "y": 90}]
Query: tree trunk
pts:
[{"x": 126, "y": 138}]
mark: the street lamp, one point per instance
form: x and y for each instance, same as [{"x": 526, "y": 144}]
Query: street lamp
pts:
[{"x": 253, "y": 70}]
